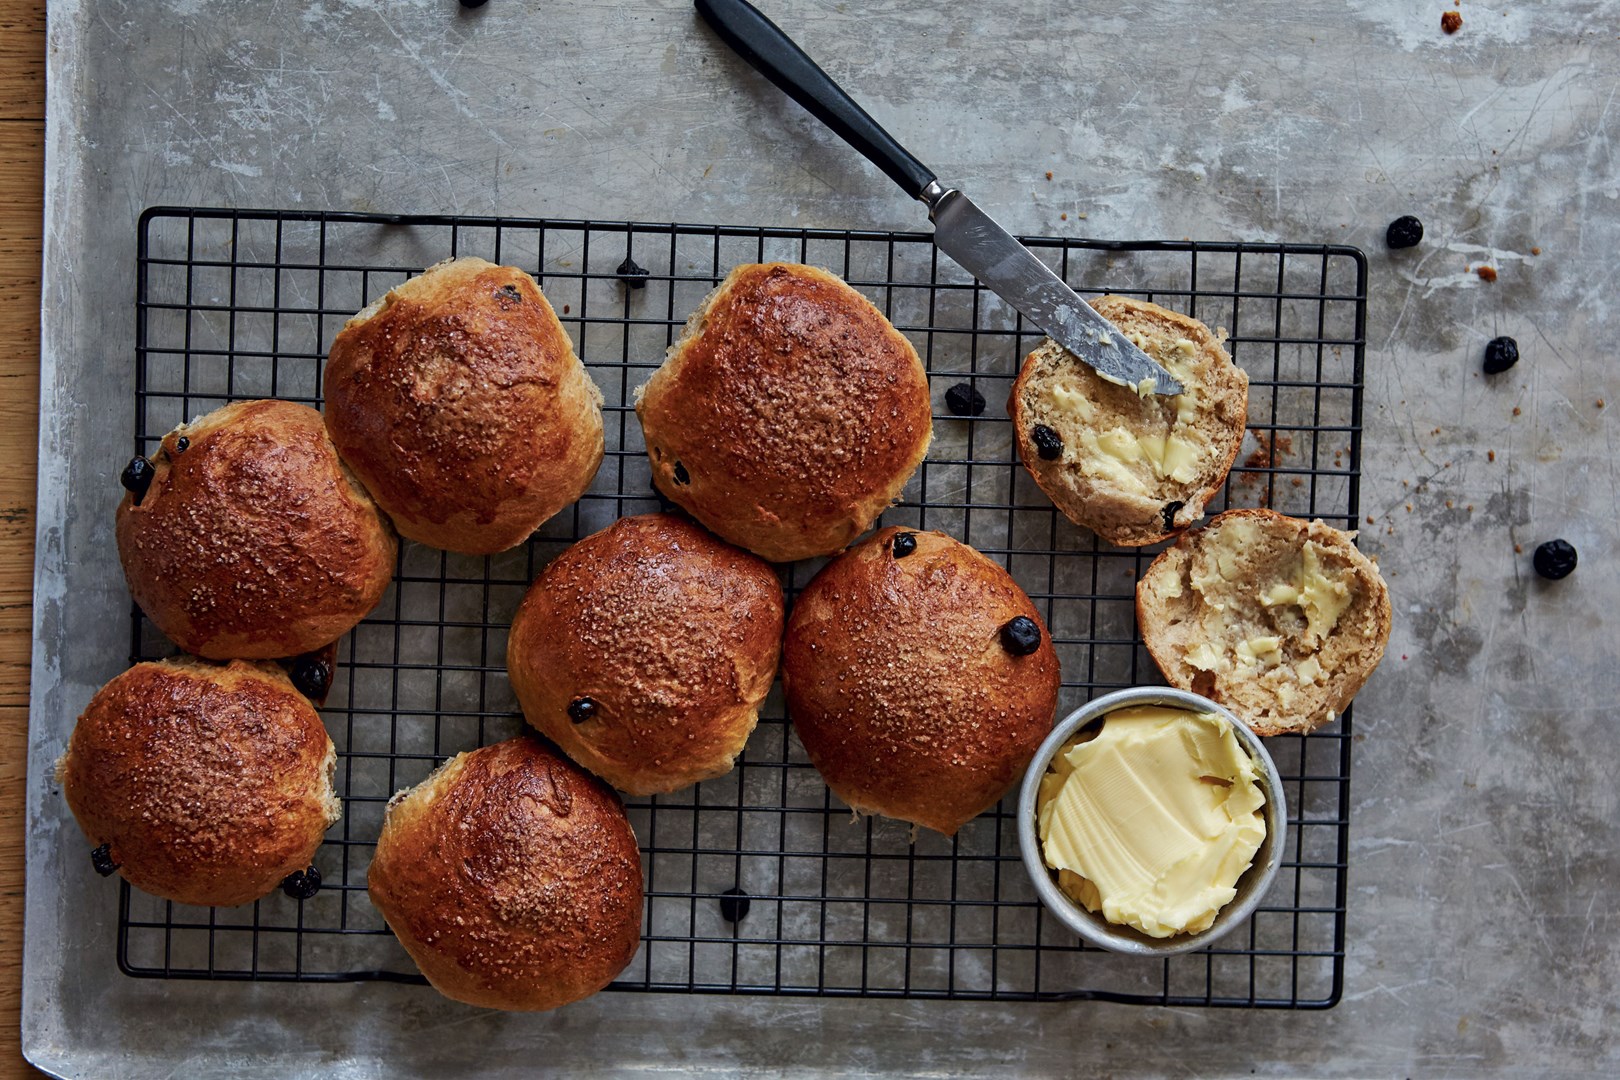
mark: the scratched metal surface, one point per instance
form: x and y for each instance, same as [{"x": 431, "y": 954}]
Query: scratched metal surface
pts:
[{"x": 1485, "y": 821}]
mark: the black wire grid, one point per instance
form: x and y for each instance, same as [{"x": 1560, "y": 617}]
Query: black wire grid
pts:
[{"x": 239, "y": 304}]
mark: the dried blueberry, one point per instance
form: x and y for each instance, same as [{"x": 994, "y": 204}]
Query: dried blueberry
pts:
[
  {"x": 302, "y": 884},
  {"x": 581, "y": 709},
  {"x": 631, "y": 274},
  {"x": 734, "y": 904},
  {"x": 964, "y": 400},
  {"x": 1555, "y": 559},
  {"x": 1169, "y": 512},
  {"x": 1020, "y": 635},
  {"x": 1048, "y": 443},
  {"x": 508, "y": 294},
  {"x": 137, "y": 477},
  {"x": 904, "y": 544},
  {"x": 312, "y": 675},
  {"x": 101, "y": 859},
  {"x": 182, "y": 444},
  {"x": 681, "y": 475},
  {"x": 1404, "y": 232},
  {"x": 1500, "y": 354}
]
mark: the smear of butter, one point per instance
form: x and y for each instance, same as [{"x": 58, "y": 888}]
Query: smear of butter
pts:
[{"x": 1153, "y": 821}]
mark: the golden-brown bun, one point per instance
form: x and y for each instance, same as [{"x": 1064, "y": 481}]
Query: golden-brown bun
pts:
[
  {"x": 645, "y": 650},
  {"x": 458, "y": 401},
  {"x": 789, "y": 415},
  {"x": 901, "y": 688},
  {"x": 1102, "y": 476},
  {"x": 208, "y": 783},
  {"x": 253, "y": 542},
  {"x": 512, "y": 878},
  {"x": 1278, "y": 619}
]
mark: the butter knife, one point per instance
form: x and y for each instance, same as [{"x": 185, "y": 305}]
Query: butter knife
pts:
[{"x": 961, "y": 230}]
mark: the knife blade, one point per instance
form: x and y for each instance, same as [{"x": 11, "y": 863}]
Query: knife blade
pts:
[{"x": 963, "y": 231}]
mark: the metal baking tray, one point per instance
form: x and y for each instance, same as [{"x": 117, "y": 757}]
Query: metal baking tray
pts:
[{"x": 238, "y": 304}]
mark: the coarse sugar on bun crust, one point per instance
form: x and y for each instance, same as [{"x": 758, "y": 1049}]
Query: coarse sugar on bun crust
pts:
[
  {"x": 459, "y": 402},
  {"x": 207, "y": 783},
  {"x": 919, "y": 678},
  {"x": 512, "y": 878},
  {"x": 1278, "y": 619},
  {"x": 645, "y": 650},
  {"x": 252, "y": 540},
  {"x": 789, "y": 415},
  {"x": 1134, "y": 468}
]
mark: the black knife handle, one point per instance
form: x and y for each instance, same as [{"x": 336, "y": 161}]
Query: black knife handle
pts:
[{"x": 761, "y": 42}]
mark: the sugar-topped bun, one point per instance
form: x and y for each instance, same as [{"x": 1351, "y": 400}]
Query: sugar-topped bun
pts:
[
  {"x": 207, "y": 783},
  {"x": 512, "y": 878},
  {"x": 644, "y": 651},
  {"x": 458, "y": 400},
  {"x": 919, "y": 678},
  {"x": 249, "y": 539},
  {"x": 789, "y": 415}
]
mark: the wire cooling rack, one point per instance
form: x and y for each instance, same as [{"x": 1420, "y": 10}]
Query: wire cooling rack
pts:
[{"x": 237, "y": 304}]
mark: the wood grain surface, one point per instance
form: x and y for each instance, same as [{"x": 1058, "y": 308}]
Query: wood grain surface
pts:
[{"x": 22, "y": 170}]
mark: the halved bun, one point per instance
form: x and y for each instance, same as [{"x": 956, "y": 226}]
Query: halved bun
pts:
[{"x": 1278, "y": 619}]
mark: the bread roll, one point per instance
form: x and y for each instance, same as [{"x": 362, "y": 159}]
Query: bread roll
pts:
[
  {"x": 919, "y": 678},
  {"x": 252, "y": 541},
  {"x": 1278, "y": 619},
  {"x": 1132, "y": 468},
  {"x": 644, "y": 651},
  {"x": 512, "y": 878},
  {"x": 458, "y": 400},
  {"x": 208, "y": 783},
  {"x": 789, "y": 415}
]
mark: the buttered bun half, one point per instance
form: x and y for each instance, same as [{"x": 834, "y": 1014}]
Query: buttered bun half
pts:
[
  {"x": 1280, "y": 620},
  {"x": 458, "y": 401},
  {"x": 1134, "y": 468}
]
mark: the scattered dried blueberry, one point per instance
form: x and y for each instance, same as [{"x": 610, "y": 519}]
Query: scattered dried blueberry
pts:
[
  {"x": 734, "y": 905},
  {"x": 137, "y": 477},
  {"x": 508, "y": 294},
  {"x": 904, "y": 544},
  {"x": 1020, "y": 635},
  {"x": 1500, "y": 354},
  {"x": 631, "y": 274},
  {"x": 1048, "y": 443},
  {"x": 312, "y": 675},
  {"x": 964, "y": 400},
  {"x": 182, "y": 444},
  {"x": 1169, "y": 512},
  {"x": 681, "y": 475},
  {"x": 101, "y": 859},
  {"x": 302, "y": 884},
  {"x": 1555, "y": 559},
  {"x": 581, "y": 709},
  {"x": 1404, "y": 232}
]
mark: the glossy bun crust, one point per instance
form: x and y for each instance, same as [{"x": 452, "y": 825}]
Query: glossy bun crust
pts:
[
  {"x": 672, "y": 637},
  {"x": 458, "y": 401},
  {"x": 899, "y": 684},
  {"x": 789, "y": 415},
  {"x": 209, "y": 783},
  {"x": 254, "y": 542},
  {"x": 512, "y": 878}
]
